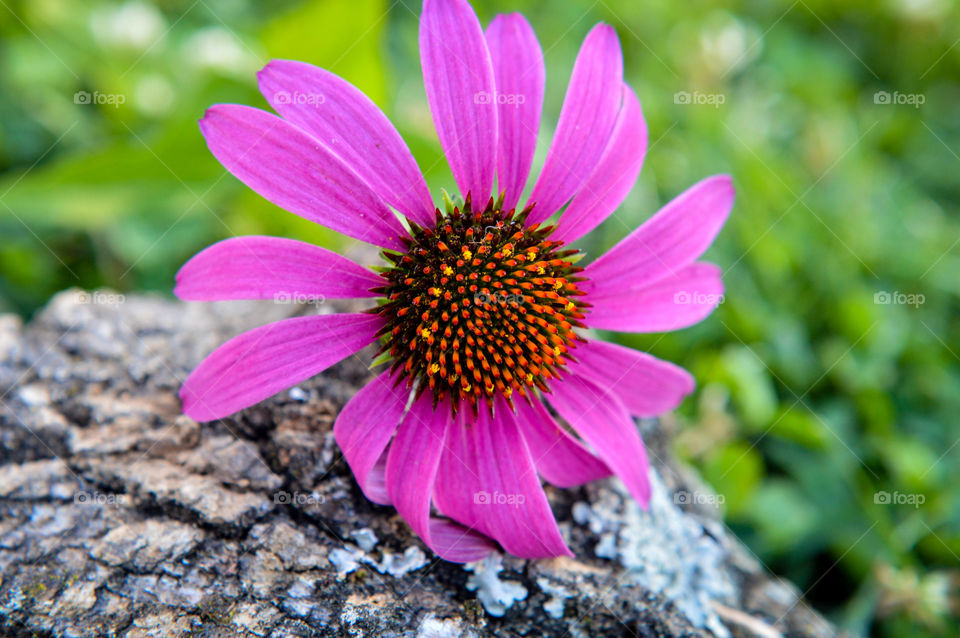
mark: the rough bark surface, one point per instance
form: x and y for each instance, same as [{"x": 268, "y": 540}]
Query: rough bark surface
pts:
[{"x": 120, "y": 516}]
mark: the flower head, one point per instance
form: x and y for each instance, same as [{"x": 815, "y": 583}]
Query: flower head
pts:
[{"x": 484, "y": 308}]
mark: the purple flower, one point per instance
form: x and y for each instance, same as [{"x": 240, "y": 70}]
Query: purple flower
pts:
[{"x": 483, "y": 307}]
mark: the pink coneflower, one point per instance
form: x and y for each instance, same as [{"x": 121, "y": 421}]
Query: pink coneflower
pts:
[{"x": 483, "y": 308}]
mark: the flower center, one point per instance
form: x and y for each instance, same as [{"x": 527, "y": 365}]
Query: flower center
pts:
[{"x": 479, "y": 305}]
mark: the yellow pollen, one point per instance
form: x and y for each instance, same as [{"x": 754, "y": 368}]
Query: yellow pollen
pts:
[
  {"x": 489, "y": 389},
  {"x": 529, "y": 378},
  {"x": 557, "y": 285},
  {"x": 448, "y": 271},
  {"x": 435, "y": 368},
  {"x": 435, "y": 292},
  {"x": 556, "y": 351},
  {"x": 467, "y": 253},
  {"x": 425, "y": 334},
  {"x": 571, "y": 306},
  {"x": 541, "y": 270}
]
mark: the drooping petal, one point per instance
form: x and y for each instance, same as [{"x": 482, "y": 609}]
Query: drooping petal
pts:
[
  {"x": 586, "y": 120},
  {"x": 520, "y": 76},
  {"x": 272, "y": 268},
  {"x": 411, "y": 472},
  {"x": 458, "y": 76},
  {"x": 294, "y": 171},
  {"x": 646, "y": 386},
  {"x": 458, "y": 479},
  {"x": 259, "y": 363},
  {"x": 560, "y": 458},
  {"x": 347, "y": 122},
  {"x": 603, "y": 422},
  {"x": 614, "y": 176},
  {"x": 376, "y": 481},
  {"x": 364, "y": 428},
  {"x": 673, "y": 238},
  {"x": 488, "y": 478},
  {"x": 456, "y": 543},
  {"x": 674, "y": 302}
]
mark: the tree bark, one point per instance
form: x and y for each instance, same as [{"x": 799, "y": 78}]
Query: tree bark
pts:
[{"x": 121, "y": 516}]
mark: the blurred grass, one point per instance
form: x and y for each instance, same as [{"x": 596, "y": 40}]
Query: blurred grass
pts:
[{"x": 812, "y": 397}]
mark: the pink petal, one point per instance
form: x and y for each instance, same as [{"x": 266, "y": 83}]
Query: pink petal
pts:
[
  {"x": 364, "y": 428},
  {"x": 673, "y": 238},
  {"x": 347, "y": 122},
  {"x": 411, "y": 471},
  {"x": 488, "y": 481},
  {"x": 603, "y": 422},
  {"x": 294, "y": 171},
  {"x": 458, "y": 478},
  {"x": 614, "y": 176},
  {"x": 456, "y": 543},
  {"x": 376, "y": 481},
  {"x": 586, "y": 120},
  {"x": 272, "y": 268},
  {"x": 460, "y": 87},
  {"x": 520, "y": 77},
  {"x": 646, "y": 386},
  {"x": 560, "y": 458},
  {"x": 674, "y": 302},
  {"x": 259, "y": 363}
]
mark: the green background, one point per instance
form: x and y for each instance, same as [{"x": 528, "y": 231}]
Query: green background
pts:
[{"x": 812, "y": 396}]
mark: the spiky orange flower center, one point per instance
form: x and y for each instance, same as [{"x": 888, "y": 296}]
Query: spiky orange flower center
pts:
[{"x": 480, "y": 305}]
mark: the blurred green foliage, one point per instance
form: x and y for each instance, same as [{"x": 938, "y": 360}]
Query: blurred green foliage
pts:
[{"x": 815, "y": 398}]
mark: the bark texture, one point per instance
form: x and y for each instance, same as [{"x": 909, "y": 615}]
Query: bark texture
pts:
[{"x": 120, "y": 516}]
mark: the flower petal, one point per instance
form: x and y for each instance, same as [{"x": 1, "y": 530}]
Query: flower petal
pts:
[
  {"x": 364, "y": 428},
  {"x": 520, "y": 76},
  {"x": 647, "y": 386},
  {"x": 411, "y": 472},
  {"x": 614, "y": 176},
  {"x": 586, "y": 120},
  {"x": 560, "y": 458},
  {"x": 458, "y": 479},
  {"x": 294, "y": 171},
  {"x": 603, "y": 422},
  {"x": 489, "y": 481},
  {"x": 376, "y": 481},
  {"x": 347, "y": 122},
  {"x": 259, "y": 363},
  {"x": 673, "y": 238},
  {"x": 674, "y": 302},
  {"x": 458, "y": 76},
  {"x": 272, "y": 268}
]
